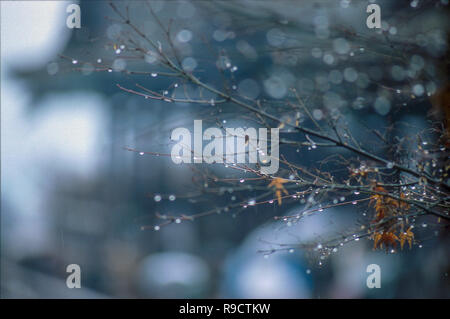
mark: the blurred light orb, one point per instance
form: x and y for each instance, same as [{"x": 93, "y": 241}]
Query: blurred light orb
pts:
[
  {"x": 32, "y": 32},
  {"x": 350, "y": 75},
  {"x": 246, "y": 49},
  {"x": 332, "y": 100},
  {"x": 418, "y": 89},
  {"x": 321, "y": 21},
  {"x": 382, "y": 105},
  {"x": 184, "y": 36},
  {"x": 328, "y": 58},
  {"x": 249, "y": 88},
  {"x": 185, "y": 10},
  {"x": 317, "y": 114},
  {"x": 173, "y": 275},
  {"x": 113, "y": 32},
  {"x": 363, "y": 80},
  {"x": 275, "y": 37},
  {"x": 417, "y": 62},
  {"x": 189, "y": 64},
  {"x": 220, "y": 35},
  {"x": 119, "y": 65},
  {"x": 275, "y": 87},
  {"x": 398, "y": 73},
  {"x": 270, "y": 278},
  {"x": 341, "y": 46},
  {"x": 393, "y": 30},
  {"x": 335, "y": 77}
]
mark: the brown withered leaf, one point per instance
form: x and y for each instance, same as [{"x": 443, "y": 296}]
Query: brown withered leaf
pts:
[
  {"x": 406, "y": 236},
  {"x": 277, "y": 184}
]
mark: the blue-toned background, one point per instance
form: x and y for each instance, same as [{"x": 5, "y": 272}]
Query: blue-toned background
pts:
[{"x": 70, "y": 193}]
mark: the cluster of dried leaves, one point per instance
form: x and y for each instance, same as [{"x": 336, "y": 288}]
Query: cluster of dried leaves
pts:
[{"x": 389, "y": 233}]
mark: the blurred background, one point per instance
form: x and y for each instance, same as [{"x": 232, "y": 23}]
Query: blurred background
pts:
[{"x": 71, "y": 194}]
